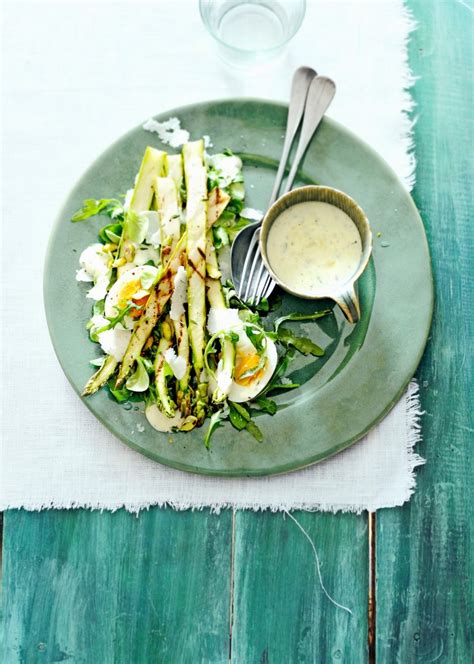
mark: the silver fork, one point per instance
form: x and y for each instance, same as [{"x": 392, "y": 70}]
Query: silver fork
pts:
[{"x": 309, "y": 99}]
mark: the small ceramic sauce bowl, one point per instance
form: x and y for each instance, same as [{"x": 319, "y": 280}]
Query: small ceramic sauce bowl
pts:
[{"x": 342, "y": 292}]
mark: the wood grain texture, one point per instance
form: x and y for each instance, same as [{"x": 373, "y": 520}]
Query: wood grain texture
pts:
[
  {"x": 281, "y": 614},
  {"x": 424, "y": 550},
  {"x": 100, "y": 588}
]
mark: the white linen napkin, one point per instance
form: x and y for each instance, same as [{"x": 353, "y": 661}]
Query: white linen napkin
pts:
[{"x": 66, "y": 99}]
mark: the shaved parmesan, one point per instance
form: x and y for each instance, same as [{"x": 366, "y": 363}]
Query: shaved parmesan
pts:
[
  {"x": 222, "y": 320},
  {"x": 225, "y": 168},
  {"x": 169, "y": 131},
  {"x": 179, "y": 294},
  {"x": 95, "y": 266},
  {"x": 114, "y": 342},
  {"x": 252, "y": 213},
  {"x": 176, "y": 364}
]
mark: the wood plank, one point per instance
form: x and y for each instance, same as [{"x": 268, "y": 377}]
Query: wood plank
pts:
[
  {"x": 281, "y": 615},
  {"x": 424, "y": 550},
  {"x": 116, "y": 588}
]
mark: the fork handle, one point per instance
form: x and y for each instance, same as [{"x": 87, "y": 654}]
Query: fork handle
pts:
[
  {"x": 320, "y": 94},
  {"x": 299, "y": 91}
]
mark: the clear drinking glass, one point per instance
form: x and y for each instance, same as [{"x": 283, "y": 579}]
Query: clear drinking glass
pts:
[{"x": 252, "y": 31}]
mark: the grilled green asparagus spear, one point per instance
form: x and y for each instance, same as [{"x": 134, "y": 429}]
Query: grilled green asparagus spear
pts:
[
  {"x": 101, "y": 376},
  {"x": 174, "y": 170},
  {"x": 217, "y": 203},
  {"x": 154, "y": 307},
  {"x": 196, "y": 219},
  {"x": 167, "y": 203},
  {"x": 162, "y": 371},
  {"x": 153, "y": 164}
]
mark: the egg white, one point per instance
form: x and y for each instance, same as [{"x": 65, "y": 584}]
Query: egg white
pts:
[{"x": 226, "y": 320}]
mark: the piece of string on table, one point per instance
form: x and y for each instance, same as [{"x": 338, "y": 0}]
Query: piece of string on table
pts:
[{"x": 317, "y": 564}]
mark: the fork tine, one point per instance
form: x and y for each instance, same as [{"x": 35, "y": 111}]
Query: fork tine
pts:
[
  {"x": 261, "y": 288},
  {"x": 255, "y": 263},
  {"x": 248, "y": 259},
  {"x": 253, "y": 299},
  {"x": 268, "y": 286}
]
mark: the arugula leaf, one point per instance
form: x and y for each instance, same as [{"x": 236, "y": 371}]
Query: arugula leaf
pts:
[
  {"x": 91, "y": 207},
  {"x": 257, "y": 339},
  {"x": 275, "y": 302},
  {"x": 300, "y": 316},
  {"x": 232, "y": 222},
  {"x": 302, "y": 344},
  {"x": 281, "y": 367},
  {"x": 236, "y": 420},
  {"x": 111, "y": 233},
  {"x": 235, "y": 205},
  {"x": 215, "y": 422},
  {"x": 285, "y": 386},
  {"x": 113, "y": 321},
  {"x": 266, "y": 405},
  {"x": 240, "y": 419},
  {"x": 242, "y": 410},
  {"x": 150, "y": 396},
  {"x": 234, "y": 301},
  {"x": 221, "y": 238},
  {"x": 119, "y": 395},
  {"x": 253, "y": 429},
  {"x": 248, "y": 316},
  {"x": 227, "y": 219},
  {"x": 212, "y": 180},
  {"x": 238, "y": 415},
  {"x": 232, "y": 336}
]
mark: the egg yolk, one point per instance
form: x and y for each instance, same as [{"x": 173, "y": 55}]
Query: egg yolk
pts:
[
  {"x": 246, "y": 363},
  {"x": 127, "y": 292}
]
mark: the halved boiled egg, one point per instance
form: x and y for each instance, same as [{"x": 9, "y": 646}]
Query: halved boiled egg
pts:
[
  {"x": 252, "y": 371},
  {"x": 133, "y": 286}
]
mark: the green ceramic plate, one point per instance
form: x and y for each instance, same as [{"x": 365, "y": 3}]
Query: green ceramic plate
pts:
[{"x": 366, "y": 367}]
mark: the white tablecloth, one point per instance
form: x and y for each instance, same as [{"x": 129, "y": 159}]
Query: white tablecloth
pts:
[{"x": 77, "y": 76}]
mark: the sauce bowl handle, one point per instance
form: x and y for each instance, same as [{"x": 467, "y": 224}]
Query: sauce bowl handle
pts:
[{"x": 348, "y": 302}]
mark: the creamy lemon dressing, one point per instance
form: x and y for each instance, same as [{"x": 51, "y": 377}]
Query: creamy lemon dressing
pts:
[{"x": 313, "y": 245}]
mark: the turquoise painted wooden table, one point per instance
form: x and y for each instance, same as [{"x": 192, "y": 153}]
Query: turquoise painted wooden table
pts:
[{"x": 192, "y": 587}]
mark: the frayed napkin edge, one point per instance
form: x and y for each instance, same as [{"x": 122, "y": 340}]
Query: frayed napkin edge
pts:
[{"x": 413, "y": 424}]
